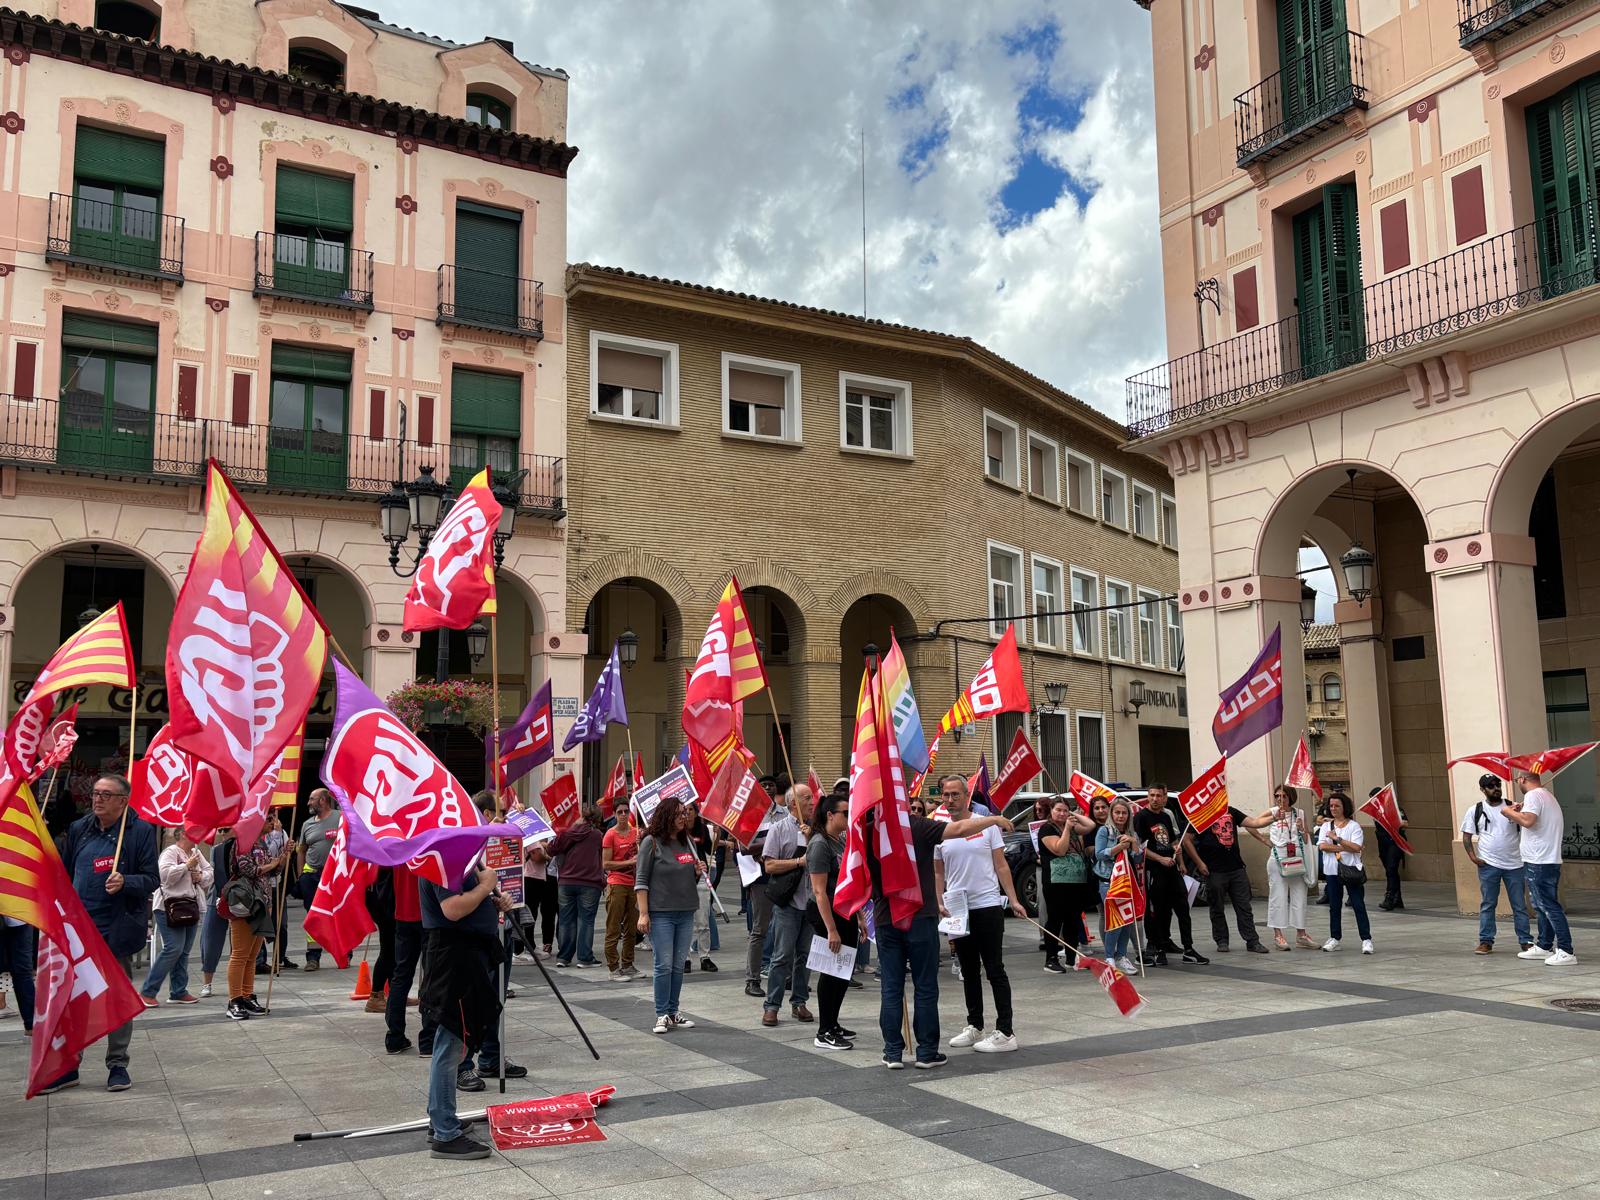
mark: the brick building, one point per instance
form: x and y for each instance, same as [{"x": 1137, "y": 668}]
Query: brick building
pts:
[{"x": 857, "y": 476}]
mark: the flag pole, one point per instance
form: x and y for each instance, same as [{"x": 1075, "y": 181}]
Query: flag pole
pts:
[
  {"x": 494, "y": 704},
  {"x": 783, "y": 742},
  {"x": 278, "y": 954},
  {"x": 133, "y": 725}
]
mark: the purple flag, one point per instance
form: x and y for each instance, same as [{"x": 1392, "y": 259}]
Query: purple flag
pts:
[
  {"x": 1254, "y": 704},
  {"x": 399, "y": 803},
  {"x": 526, "y": 743},
  {"x": 979, "y": 789},
  {"x": 604, "y": 706}
]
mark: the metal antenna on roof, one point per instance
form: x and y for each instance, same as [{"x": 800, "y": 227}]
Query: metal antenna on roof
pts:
[{"x": 863, "y": 222}]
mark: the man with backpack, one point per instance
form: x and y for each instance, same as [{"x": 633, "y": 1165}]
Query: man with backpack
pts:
[{"x": 1495, "y": 848}]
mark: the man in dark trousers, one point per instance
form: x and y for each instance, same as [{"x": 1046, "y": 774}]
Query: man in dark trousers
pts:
[
  {"x": 115, "y": 888},
  {"x": 1216, "y": 859},
  {"x": 460, "y": 995},
  {"x": 1391, "y": 856},
  {"x": 1157, "y": 828}
]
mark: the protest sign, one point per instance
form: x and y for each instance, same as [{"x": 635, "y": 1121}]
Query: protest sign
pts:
[
  {"x": 674, "y": 783},
  {"x": 504, "y": 857}
]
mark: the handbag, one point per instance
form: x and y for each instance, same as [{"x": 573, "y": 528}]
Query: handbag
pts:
[
  {"x": 181, "y": 911},
  {"x": 1068, "y": 868},
  {"x": 781, "y": 889},
  {"x": 1351, "y": 876}
]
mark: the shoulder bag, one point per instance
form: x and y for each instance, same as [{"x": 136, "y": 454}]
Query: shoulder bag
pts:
[
  {"x": 1348, "y": 875},
  {"x": 181, "y": 911},
  {"x": 1070, "y": 867}
]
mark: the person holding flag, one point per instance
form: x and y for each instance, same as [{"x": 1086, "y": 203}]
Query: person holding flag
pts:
[
  {"x": 1392, "y": 855},
  {"x": 619, "y": 855},
  {"x": 1112, "y": 841}
]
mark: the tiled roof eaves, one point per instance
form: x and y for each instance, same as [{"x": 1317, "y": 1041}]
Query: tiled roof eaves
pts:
[{"x": 431, "y": 39}]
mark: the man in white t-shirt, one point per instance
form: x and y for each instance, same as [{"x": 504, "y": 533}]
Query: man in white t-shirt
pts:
[
  {"x": 976, "y": 866},
  {"x": 1495, "y": 847},
  {"x": 1539, "y": 815}
]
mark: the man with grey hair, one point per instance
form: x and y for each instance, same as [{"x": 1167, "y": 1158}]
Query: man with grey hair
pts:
[
  {"x": 784, "y": 857},
  {"x": 311, "y": 852},
  {"x": 1538, "y": 814}
]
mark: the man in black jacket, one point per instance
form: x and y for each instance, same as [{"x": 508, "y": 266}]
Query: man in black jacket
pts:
[
  {"x": 115, "y": 888},
  {"x": 460, "y": 996}
]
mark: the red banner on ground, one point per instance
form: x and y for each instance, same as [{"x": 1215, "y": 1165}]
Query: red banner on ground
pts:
[{"x": 554, "y": 1121}]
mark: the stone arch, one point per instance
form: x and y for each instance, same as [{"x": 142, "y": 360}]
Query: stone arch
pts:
[
  {"x": 880, "y": 582},
  {"x": 333, "y": 566},
  {"x": 583, "y": 587},
  {"x": 1294, "y": 508},
  {"x": 528, "y": 594},
  {"x": 1532, "y": 454},
  {"x": 42, "y": 552},
  {"x": 764, "y": 572}
]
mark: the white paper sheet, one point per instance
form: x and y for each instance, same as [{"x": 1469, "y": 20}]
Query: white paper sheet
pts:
[
  {"x": 838, "y": 965},
  {"x": 1191, "y": 885},
  {"x": 955, "y": 925},
  {"x": 749, "y": 869}
]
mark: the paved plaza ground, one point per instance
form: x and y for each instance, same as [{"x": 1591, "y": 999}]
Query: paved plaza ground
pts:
[{"x": 1423, "y": 1071}]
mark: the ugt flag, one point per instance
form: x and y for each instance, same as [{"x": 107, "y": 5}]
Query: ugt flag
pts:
[
  {"x": 603, "y": 707},
  {"x": 1301, "y": 773},
  {"x": 400, "y": 805},
  {"x": 245, "y": 654},
  {"x": 527, "y": 743},
  {"x": 455, "y": 579},
  {"x": 1548, "y": 762},
  {"x": 337, "y": 919},
  {"x": 903, "y": 708},
  {"x": 1254, "y": 704}
]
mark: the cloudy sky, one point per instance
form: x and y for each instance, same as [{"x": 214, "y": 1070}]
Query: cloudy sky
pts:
[{"x": 1010, "y": 159}]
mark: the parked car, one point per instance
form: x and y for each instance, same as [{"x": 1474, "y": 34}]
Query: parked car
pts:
[{"x": 1021, "y": 856}]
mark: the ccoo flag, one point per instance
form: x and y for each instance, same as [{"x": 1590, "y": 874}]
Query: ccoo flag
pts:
[
  {"x": 1206, "y": 799},
  {"x": 455, "y": 577},
  {"x": 903, "y": 708},
  {"x": 997, "y": 687},
  {"x": 1254, "y": 704},
  {"x": 527, "y": 743}
]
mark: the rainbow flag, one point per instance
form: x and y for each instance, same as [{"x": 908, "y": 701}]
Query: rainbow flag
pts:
[{"x": 903, "y": 709}]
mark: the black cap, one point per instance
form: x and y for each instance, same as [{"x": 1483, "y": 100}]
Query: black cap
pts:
[
  {"x": 1489, "y": 781},
  {"x": 1374, "y": 792}
]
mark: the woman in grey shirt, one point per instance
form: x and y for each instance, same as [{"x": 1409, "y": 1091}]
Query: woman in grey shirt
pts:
[
  {"x": 667, "y": 885},
  {"x": 824, "y": 853}
]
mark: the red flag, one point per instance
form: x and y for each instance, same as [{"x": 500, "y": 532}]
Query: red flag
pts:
[
  {"x": 1124, "y": 897},
  {"x": 814, "y": 783},
  {"x": 454, "y": 582},
  {"x": 727, "y": 671},
  {"x": 736, "y": 801},
  {"x": 1384, "y": 810},
  {"x": 854, "y": 888},
  {"x": 560, "y": 802},
  {"x": 997, "y": 687},
  {"x": 1086, "y": 790},
  {"x": 1021, "y": 766},
  {"x": 1550, "y": 762},
  {"x": 338, "y": 919},
  {"x": 246, "y": 648},
  {"x": 281, "y": 779},
  {"x": 638, "y": 771},
  {"x": 1206, "y": 799},
  {"x": 163, "y": 780},
  {"x": 556, "y": 1121},
  {"x": 1301, "y": 773},
  {"x": 56, "y": 745},
  {"x": 98, "y": 653},
  {"x": 1117, "y": 985},
  {"x": 616, "y": 786},
  {"x": 1493, "y": 761}
]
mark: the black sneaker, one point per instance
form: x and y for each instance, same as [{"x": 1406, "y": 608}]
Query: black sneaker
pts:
[
  {"x": 1193, "y": 956},
  {"x": 707, "y": 965},
  {"x": 237, "y": 1011},
  {"x": 513, "y": 1071},
  {"x": 1149, "y": 960},
  {"x": 248, "y": 1003},
  {"x": 756, "y": 990},
  {"x": 394, "y": 1045},
  {"x": 1256, "y": 948},
  {"x": 424, "y": 1047},
  {"x": 287, "y": 965},
  {"x": 832, "y": 1041},
  {"x": 845, "y": 1033},
  {"x": 461, "y": 1147},
  {"x": 1222, "y": 947},
  {"x": 853, "y": 982},
  {"x": 894, "y": 1064},
  {"x": 1053, "y": 965},
  {"x": 1157, "y": 960},
  {"x": 937, "y": 1060},
  {"x": 468, "y": 1080}
]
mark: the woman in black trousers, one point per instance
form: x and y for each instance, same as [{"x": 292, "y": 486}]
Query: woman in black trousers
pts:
[{"x": 824, "y": 853}]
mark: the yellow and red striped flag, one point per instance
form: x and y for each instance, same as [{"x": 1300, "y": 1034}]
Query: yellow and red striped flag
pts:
[
  {"x": 728, "y": 671},
  {"x": 99, "y": 653},
  {"x": 286, "y": 788},
  {"x": 25, "y": 853},
  {"x": 1124, "y": 897}
]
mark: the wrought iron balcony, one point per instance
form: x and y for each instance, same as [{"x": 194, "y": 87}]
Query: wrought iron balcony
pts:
[
  {"x": 1517, "y": 269},
  {"x": 486, "y": 300},
  {"x": 1309, "y": 94},
  {"x": 314, "y": 270},
  {"x": 1491, "y": 20},
  {"x": 123, "y": 238}
]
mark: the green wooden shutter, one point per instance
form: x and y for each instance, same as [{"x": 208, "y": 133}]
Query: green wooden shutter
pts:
[
  {"x": 320, "y": 201},
  {"x": 488, "y": 244},
  {"x": 1312, "y": 287},
  {"x": 481, "y": 402},
  {"x": 1561, "y": 137},
  {"x": 332, "y": 366},
  {"x": 1347, "y": 310},
  {"x": 1313, "y": 59},
  {"x": 121, "y": 158},
  {"x": 84, "y": 332}
]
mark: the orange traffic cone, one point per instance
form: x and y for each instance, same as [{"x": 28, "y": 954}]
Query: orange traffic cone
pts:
[{"x": 363, "y": 982}]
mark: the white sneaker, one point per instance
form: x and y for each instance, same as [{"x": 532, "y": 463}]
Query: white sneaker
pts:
[
  {"x": 1561, "y": 959},
  {"x": 1126, "y": 966},
  {"x": 678, "y": 1021},
  {"x": 205, "y": 991},
  {"x": 1331, "y": 945},
  {"x": 967, "y": 1037},
  {"x": 1366, "y": 946},
  {"x": 1536, "y": 951},
  {"x": 996, "y": 1043},
  {"x": 663, "y": 1025},
  {"x": 617, "y": 977},
  {"x": 955, "y": 968}
]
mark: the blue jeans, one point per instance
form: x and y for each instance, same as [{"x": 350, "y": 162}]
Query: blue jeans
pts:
[
  {"x": 1516, "y": 884},
  {"x": 918, "y": 946},
  {"x": 790, "y": 948},
  {"x": 669, "y": 947},
  {"x": 1544, "y": 881},
  {"x": 213, "y": 935},
  {"x": 1115, "y": 940},
  {"x": 575, "y": 925},
  {"x": 307, "y": 883},
  {"x": 1337, "y": 891},
  {"x": 442, "y": 1123},
  {"x": 17, "y": 945},
  {"x": 172, "y": 960}
]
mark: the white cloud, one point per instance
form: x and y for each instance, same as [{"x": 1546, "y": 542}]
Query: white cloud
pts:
[{"x": 719, "y": 145}]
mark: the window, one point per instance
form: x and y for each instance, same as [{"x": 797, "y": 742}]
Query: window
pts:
[
  {"x": 1080, "y": 484},
  {"x": 1174, "y": 636},
  {"x": 1000, "y": 450},
  {"x": 128, "y": 19},
  {"x": 117, "y": 183},
  {"x": 307, "y": 64},
  {"x": 1564, "y": 161},
  {"x": 1044, "y": 469},
  {"x": 108, "y": 379},
  {"x": 1005, "y": 732},
  {"x": 1046, "y": 599},
  {"x": 1119, "y": 620},
  {"x": 485, "y": 425},
  {"x": 1144, "y": 512},
  {"x": 761, "y": 398},
  {"x": 1544, "y": 527},
  {"x": 1410, "y": 649},
  {"x": 1567, "y": 723},
  {"x": 1113, "y": 497},
  {"x": 1149, "y": 629},
  {"x": 1085, "y": 621},
  {"x": 632, "y": 379},
  {"x": 1327, "y": 263},
  {"x": 488, "y": 110},
  {"x": 1005, "y": 578},
  {"x": 311, "y": 242},
  {"x": 1169, "y": 522},
  {"x": 1332, "y": 692},
  {"x": 1053, "y": 746},
  {"x": 310, "y": 395},
  {"x": 874, "y": 414},
  {"x": 1092, "y": 745},
  {"x": 484, "y": 288}
]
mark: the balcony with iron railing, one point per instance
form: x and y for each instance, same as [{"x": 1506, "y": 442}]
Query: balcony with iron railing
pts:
[
  {"x": 486, "y": 300},
  {"x": 1311, "y": 92},
  {"x": 1491, "y": 20},
  {"x": 1521, "y": 268},
  {"x": 313, "y": 270},
  {"x": 81, "y": 434},
  {"x": 124, "y": 238}
]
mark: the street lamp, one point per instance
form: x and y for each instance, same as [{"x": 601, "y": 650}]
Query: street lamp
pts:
[
  {"x": 1136, "y": 700},
  {"x": 477, "y": 642},
  {"x": 506, "y": 498},
  {"x": 1055, "y": 692},
  {"x": 418, "y": 505},
  {"x": 1360, "y": 565},
  {"x": 628, "y": 648},
  {"x": 1308, "y": 606},
  {"x": 870, "y": 653},
  {"x": 93, "y": 613}
]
